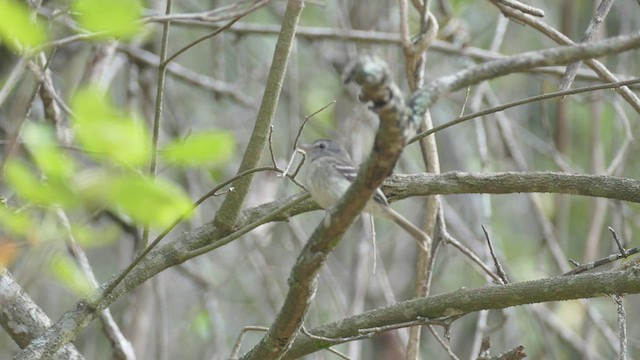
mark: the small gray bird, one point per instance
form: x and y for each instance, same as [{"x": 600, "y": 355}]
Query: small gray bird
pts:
[{"x": 330, "y": 173}]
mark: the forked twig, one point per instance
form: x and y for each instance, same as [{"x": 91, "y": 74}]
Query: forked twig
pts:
[
  {"x": 499, "y": 269},
  {"x": 624, "y": 253}
]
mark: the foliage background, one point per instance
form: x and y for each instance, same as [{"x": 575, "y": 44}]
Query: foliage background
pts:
[{"x": 197, "y": 309}]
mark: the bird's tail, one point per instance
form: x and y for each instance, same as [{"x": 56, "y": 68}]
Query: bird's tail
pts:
[{"x": 422, "y": 238}]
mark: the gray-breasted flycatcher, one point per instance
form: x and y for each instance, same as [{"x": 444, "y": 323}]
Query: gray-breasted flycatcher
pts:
[{"x": 330, "y": 173}]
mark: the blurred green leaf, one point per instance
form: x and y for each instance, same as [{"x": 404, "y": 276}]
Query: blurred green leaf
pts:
[
  {"x": 97, "y": 235},
  {"x": 108, "y": 133},
  {"x": 92, "y": 184},
  {"x": 70, "y": 275},
  {"x": 217, "y": 175},
  {"x": 201, "y": 324},
  {"x": 29, "y": 187},
  {"x": 116, "y": 18},
  {"x": 459, "y": 4},
  {"x": 18, "y": 29},
  {"x": 46, "y": 153},
  {"x": 16, "y": 223},
  {"x": 153, "y": 202},
  {"x": 203, "y": 148}
]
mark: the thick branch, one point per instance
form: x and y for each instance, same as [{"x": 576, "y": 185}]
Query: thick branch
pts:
[
  {"x": 227, "y": 215},
  {"x": 22, "y": 319},
  {"x": 424, "y": 97},
  {"x": 610, "y": 187},
  {"x": 461, "y": 302}
]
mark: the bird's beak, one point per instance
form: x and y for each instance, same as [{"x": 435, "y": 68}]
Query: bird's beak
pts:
[{"x": 305, "y": 148}]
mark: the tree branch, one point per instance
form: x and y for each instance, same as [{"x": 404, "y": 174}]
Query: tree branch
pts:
[
  {"x": 563, "y": 39},
  {"x": 227, "y": 215},
  {"x": 465, "y": 301},
  {"x": 610, "y": 187},
  {"x": 423, "y": 98},
  {"x": 23, "y": 320}
]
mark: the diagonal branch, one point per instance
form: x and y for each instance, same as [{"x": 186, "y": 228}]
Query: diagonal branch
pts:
[
  {"x": 22, "y": 319},
  {"x": 374, "y": 78},
  {"x": 562, "y": 39},
  {"x": 465, "y": 301},
  {"x": 423, "y": 98},
  {"x": 227, "y": 215}
]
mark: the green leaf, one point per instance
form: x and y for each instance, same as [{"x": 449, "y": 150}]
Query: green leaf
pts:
[
  {"x": 46, "y": 153},
  {"x": 25, "y": 183},
  {"x": 70, "y": 275},
  {"x": 18, "y": 30},
  {"x": 16, "y": 223},
  {"x": 201, "y": 324},
  {"x": 97, "y": 235},
  {"x": 203, "y": 148},
  {"x": 114, "y": 18},
  {"x": 152, "y": 202},
  {"x": 108, "y": 133}
]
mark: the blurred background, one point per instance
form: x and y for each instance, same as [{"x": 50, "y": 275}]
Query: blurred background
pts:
[{"x": 196, "y": 310}]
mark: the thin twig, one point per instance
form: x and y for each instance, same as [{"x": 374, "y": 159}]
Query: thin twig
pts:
[
  {"x": 273, "y": 156},
  {"x": 527, "y": 9},
  {"x": 238, "y": 343},
  {"x": 470, "y": 254},
  {"x": 306, "y": 120},
  {"x": 606, "y": 260},
  {"x": 285, "y": 173},
  {"x": 622, "y": 325},
  {"x": 371, "y": 332},
  {"x": 164, "y": 63},
  {"x": 531, "y": 99},
  {"x": 623, "y": 252},
  {"x": 287, "y": 168},
  {"x": 295, "y": 173},
  {"x": 219, "y": 14},
  {"x": 122, "y": 347},
  {"x": 215, "y": 190},
  {"x": 12, "y": 79},
  {"x": 329, "y": 340},
  {"x": 187, "y": 75},
  {"x": 157, "y": 117},
  {"x": 21, "y": 120},
  {"x": 466, "y": 99},
  {"x": 374, "y": 248},
  {"x": 338, "y": 354},
  {"x": 597, "y": 20},
  {"x": 499, "y": 269},
  {"x": 443, "y": 343}
]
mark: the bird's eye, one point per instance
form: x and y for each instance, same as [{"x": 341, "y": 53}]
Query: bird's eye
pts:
[{"x": 322, "y": 145}]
